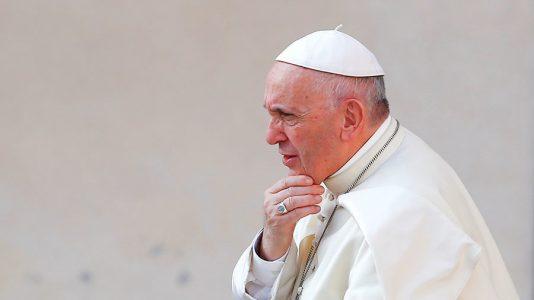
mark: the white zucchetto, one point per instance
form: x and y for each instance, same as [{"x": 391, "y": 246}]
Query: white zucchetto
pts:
[{"x": 332, "y": 51}]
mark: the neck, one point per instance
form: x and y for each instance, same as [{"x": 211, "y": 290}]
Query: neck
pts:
[
  {"x": 352, "y": 148},
  {"x": 342, "y": 179}
]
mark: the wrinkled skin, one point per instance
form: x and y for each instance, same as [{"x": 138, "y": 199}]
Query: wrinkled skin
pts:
[{"x": 315, "y": 138}]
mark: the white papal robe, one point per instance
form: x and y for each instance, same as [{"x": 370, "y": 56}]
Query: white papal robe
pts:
[{"x": 408, "y": 230}]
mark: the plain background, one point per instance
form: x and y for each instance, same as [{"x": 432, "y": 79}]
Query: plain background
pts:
[{"x": 133, "y": 160}]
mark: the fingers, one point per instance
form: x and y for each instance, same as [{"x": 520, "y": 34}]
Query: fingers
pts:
[
  {"x": 297, "y": 191},
  {"x": 301, "y": 212},
  {"x": 284, "y": 183},
  {"x": 294, "y": 202},
  {"x": 300, "y": 198}
]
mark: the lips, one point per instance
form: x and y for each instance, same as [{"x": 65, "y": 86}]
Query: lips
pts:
[{"x": 289, "y": 159}]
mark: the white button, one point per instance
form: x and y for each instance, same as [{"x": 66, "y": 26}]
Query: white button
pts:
[
  {"x": 330, "y": 197},
  {"x": 313, "y": 268},
  {"x": 321, "y": 217}
]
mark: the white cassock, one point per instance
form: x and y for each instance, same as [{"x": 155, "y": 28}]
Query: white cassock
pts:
[{"x": 409, "y": 230}]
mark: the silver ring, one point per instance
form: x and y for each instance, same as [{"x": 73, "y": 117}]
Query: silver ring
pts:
[{"x": 281, "y": 208}]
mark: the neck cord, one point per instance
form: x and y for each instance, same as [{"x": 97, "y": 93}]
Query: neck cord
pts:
[{"x": 316, "y": 243}]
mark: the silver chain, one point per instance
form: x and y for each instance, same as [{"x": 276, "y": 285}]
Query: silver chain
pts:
[{"x": 315, "y": 245}]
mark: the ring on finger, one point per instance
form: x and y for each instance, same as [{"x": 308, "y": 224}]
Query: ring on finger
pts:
[{"x": 281, "y": 208}]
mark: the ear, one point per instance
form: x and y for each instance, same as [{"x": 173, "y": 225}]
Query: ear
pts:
[{"x": 353, "y": 118}]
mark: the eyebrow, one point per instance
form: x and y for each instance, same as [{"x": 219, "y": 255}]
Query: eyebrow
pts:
[{"x": 278, "y": 109}]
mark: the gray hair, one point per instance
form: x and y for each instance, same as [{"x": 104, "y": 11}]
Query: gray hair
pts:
[{"x": 371, "y": 89}]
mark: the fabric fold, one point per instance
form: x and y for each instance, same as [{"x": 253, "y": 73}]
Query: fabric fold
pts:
[{"x": 419, "y": 252}]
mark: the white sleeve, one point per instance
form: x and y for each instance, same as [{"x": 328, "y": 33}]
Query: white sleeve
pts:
[{"x": 264, "y": 273}]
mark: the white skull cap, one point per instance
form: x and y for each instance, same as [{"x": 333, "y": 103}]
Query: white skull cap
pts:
[{"x": 332, "y": 51}]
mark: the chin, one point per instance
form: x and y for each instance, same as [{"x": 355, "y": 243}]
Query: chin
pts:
[
  {"x": 299, "y": 171},
  {"x": 292, "y": 172}
]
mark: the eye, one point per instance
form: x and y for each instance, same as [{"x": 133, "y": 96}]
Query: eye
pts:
[{"x": 289, "y": 119}]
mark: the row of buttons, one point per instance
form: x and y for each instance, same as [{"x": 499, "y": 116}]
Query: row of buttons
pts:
[
  {"x": 322, "y": 218},
  {"x": 330, "y": 197}
]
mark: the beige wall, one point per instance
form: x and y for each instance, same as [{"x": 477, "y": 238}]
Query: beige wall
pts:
[{"x": 133, "y": 156}]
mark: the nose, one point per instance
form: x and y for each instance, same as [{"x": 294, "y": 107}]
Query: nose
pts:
[{"x": 275, "y": 133}]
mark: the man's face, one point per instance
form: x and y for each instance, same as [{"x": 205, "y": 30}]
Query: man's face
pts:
[{"x": 303, "y": 121}]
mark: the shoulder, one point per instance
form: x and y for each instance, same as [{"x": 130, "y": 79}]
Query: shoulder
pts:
[
  {"x": 414, "y": 163},
  {"x": 389, "y": 206},
  {"x": 414, "y": 242}
]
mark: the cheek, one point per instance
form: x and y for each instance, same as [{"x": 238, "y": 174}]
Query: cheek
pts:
[
  {"x": 323, "y": 139},
  {"x": 311, "y": 141},
  {"x": 308, "y": 142},
  {"x": 296, "y": 135}
]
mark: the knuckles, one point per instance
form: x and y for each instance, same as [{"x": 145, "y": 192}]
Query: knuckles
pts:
[{"x": 306, "y": 197}]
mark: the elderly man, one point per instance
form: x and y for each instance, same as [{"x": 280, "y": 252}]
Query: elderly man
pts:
[{"x": 368, "y": 210}]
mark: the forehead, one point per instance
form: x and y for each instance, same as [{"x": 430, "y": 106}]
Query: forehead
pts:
[{"x": 291, "y": 86}]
